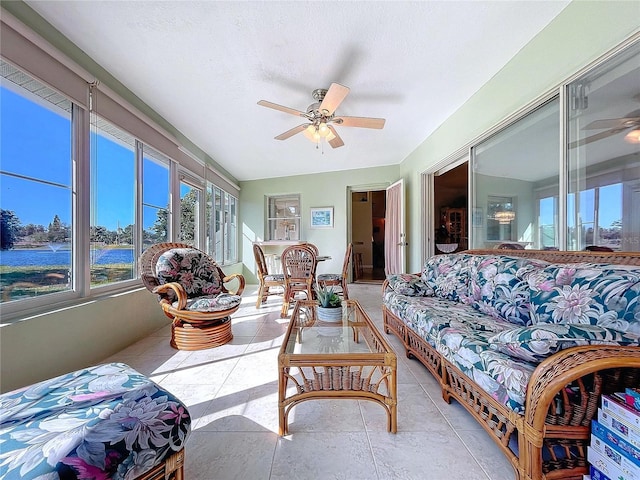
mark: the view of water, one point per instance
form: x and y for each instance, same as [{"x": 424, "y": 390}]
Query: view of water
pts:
[{"x": 17, "y": 258}]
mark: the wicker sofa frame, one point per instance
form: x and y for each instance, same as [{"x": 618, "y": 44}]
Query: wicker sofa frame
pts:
[
  {"x": 171, "y": 469},
  {"x": 549, "y": 441}
]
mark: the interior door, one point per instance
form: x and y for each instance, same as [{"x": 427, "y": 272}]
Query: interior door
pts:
[{"x": 395, "y": 237}]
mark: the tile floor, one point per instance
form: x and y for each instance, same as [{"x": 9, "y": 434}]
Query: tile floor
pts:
[{"x": 231, "y": 392}]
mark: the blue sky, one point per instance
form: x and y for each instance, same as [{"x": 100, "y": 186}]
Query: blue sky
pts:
[{"x": 35, "y": 141}]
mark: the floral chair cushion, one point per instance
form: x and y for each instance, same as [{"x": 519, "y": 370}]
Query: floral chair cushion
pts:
[
  {"x": 537, "y": 342},
  {"x": 499, "y": 288},
  {"x": 274, "y": 277},
  {"x": 604, "y": 295},
  {"x": 448, "y": 276},
  {"x": 212, "y": 303},
  {"x": 103, "y": 422},
  {"x": 409, "y": 284},
  {"x": 329, "y": 277},
  {"x": 191, "y": 268}
]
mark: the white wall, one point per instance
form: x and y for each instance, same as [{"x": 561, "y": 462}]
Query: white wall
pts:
[
  {"x": 64, "y": 340},
  {"x": 317, "y": 190}
]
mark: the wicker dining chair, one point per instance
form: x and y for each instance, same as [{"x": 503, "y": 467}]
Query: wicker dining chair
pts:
[
  {"x": 270, "y": 283},
  {"x": 192, "y": 293},
  {"x": 338, "y": 279},
  {"x": 299, "y": 264},
  {"x": 313, "y": 247}
]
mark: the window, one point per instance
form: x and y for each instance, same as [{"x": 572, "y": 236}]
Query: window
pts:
[
  {"x": 231, "y": 237},
  {"x": 222, "y": 219},
  {"x": 547, "y": 222},
  {"x": 603, "y": 150},
  {"x": 190, "y": 199},
  {"x": 113, "y": 189},
  {"x": 155, "y": 197},
  {"x": 85, "y": 186},
  {"x": 36, "y": 188},
  {"x": 512, "y": 171},
  {"x": 283, "y": 217}
]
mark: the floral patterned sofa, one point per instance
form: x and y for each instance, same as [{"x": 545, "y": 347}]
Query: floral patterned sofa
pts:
[
  {"x": 103, "y": 422},
  {"x": 526, "y": 341}
]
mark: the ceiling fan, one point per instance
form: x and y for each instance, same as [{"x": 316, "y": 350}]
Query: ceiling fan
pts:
[
  {"x": 613, "y": 126},
  {"x": 321, "y": 117}
]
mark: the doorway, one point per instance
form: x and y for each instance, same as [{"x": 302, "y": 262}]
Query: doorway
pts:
[
  {"x": 368, "y": 210},
  {"x": 450, "y": 203}
]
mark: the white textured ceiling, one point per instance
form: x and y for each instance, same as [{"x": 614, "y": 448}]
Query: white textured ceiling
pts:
[{"x": 203, "y": 66}]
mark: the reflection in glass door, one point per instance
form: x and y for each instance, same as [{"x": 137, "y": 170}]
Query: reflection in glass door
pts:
[
  {"x": 604, "y": 155},
  {"x": 513, "y": 171}
]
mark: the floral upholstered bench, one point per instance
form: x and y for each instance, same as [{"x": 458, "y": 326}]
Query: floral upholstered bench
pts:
[{"x": 107, "y": 421}]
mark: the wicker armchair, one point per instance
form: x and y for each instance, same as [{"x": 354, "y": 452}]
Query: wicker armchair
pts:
[
  {"x": 191, "y": 291},
  {"x": 338, "y": 279},
  {"x": 267, "y": 280}
]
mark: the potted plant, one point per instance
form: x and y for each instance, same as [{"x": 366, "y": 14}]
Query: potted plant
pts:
[{"x": 329, "y": 304}]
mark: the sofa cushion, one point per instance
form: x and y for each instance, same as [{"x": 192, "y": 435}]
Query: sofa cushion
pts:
[
  {"x": 537, "y": 342},
  {"x": 409, "y": 284},
  {"x": 427, "y": 316},
  {"x": 503, "y": 377},
  {"x": 191, "y": 268},
  {"x": 605, "y": 295},
  {"x": 102, "y": 422},
  {"x": 448, "y": 276},
  {"x": 498, "y": 286}
]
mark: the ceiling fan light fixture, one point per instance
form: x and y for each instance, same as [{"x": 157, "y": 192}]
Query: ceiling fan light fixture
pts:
[
  {"x": 323, "y": 130},
  {"x": 633, "y": 136},
  {"x": 321, "y": 117}
]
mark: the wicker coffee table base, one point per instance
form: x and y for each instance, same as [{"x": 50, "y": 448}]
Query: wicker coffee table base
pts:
[{"x": 187, "y": 336}]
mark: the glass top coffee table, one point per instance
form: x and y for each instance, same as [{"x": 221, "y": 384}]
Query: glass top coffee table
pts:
[{"x": 348, "y": 358}]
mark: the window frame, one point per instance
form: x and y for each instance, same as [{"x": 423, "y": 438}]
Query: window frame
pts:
[
  {"x": 146, "y": 134},
  {"x": 297, "y": 220}
]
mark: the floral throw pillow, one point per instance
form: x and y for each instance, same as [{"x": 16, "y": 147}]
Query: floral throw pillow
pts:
[
  {"x": 498, "y": 286},
  {"x": 448, "y": 276},
  {"x": 408, "y": 284},
  {"x": 537, "y": 342},
  {"x": 604, "y": 295},
  {"x": 191, "y": 268}
]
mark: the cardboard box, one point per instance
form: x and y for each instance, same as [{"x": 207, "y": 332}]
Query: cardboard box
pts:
[
  {"x": 606, "y": 466},
  {"x": 609, "y": 436},
  {"x": 616, "y": 406},
  {"x": 620, "y": 427},
  {"x": 596, "y": 474},
  {"x": 615, "y": 456}
]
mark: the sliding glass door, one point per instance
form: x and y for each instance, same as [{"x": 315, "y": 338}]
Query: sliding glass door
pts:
[
  {"x": 515, "y": 182},
  {"x": 604, "y": 155}
]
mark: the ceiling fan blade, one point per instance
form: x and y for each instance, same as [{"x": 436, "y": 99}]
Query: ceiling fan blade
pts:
[
  {"x": 625, "y": 122},
  {"x": 336, "y": 141},
  {"x": 275, "y": 106},
  {"x": 333, "y": 98},
  {"x": 364, "y": 122},
  {"x": 292, "y": 132},
  {"x": 596, "y": 137}
]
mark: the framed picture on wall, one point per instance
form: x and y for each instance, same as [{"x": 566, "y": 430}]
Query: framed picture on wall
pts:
[{"x": 322, "y": 217}]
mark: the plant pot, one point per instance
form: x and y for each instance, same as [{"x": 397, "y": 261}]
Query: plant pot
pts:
[{"x": 330, "y": 314}]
